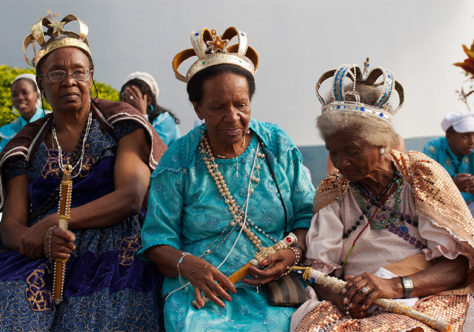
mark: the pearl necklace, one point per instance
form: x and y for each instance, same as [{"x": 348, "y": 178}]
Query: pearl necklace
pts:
[
  {"x": 238, "y": 216},
  {"x": 60, "y": 150}
]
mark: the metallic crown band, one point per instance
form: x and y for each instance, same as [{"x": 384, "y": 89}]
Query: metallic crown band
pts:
[
  {"x": 341, "y": 103},
  {"x": 212, "y": 49},
  {"x": 58, "y": 37}
]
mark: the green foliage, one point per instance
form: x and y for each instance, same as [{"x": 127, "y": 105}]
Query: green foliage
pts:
[
  {"x": 8, "y": 74},
  {"x": 105, "y": 92}
]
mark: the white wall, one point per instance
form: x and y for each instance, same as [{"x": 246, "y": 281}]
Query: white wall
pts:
[{"x": 297, "y": 41}]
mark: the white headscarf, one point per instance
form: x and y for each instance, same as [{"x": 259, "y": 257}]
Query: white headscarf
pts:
[{"x": 148, "y": 79}]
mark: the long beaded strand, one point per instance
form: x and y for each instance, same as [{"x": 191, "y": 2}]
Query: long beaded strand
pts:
[
  {"x": 235, "y": 210},
  {"x": 60, "y": 150}
]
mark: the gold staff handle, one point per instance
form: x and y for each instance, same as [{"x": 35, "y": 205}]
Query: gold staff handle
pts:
[
  {"x": 64, "y": 214},
  {"x": 238, "y": 275},
  {"x": 389, "y": 305}
]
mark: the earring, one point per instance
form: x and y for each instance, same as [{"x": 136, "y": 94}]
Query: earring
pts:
[{"x": 382, "y": 150}]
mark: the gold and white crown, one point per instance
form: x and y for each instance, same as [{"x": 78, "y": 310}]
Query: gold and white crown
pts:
[
  {"x": 212, "y": 49},
  {"x": 349, "y": 102},
  {"x": 50, "y": 26}
]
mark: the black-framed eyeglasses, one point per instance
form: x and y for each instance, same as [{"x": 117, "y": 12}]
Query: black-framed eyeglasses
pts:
[{"x": 58, "y": 75}]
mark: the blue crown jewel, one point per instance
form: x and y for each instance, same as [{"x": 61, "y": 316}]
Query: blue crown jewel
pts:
[{"x": 350, "y": 101}]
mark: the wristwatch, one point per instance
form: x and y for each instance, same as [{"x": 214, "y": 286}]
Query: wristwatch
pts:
[{"x": 407, "y": 285}]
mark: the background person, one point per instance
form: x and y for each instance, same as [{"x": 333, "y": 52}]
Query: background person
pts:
[
  {"x": 111, "y": 150},
  {"x": 26, "y": 100},
  {"x": 454, "y": 152},
  {"x": 141, "y": 91}
]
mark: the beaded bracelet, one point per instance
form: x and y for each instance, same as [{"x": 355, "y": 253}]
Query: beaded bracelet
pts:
[
  {"x": 296, "y": 245},
  {"x": 297, "y": 253},
  {"x": 180, "y": 260}
]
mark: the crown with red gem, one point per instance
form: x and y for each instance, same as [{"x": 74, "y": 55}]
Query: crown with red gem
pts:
[
  {"x": 50, "y": 26},
  {"x": 212, "y": 49},
  {"x": 349, "y": 102}
]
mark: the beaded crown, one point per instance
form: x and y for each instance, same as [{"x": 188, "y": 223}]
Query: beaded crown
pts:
[
  {"x": 50, "y": 26},
  {"x": 212, "y": 49},
  {"x": 349, "y": 102}
]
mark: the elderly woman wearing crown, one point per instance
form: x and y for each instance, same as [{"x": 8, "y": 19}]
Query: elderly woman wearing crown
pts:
[
  {"x": 392, "y": 224},
  {"x": 85, "y": 166},
  {"x": 228, "y": 190}
]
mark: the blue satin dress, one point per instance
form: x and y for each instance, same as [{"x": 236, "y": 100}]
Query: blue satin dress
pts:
[{"x": 186, "y": 211}]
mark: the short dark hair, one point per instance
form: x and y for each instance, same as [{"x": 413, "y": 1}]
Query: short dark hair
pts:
[{"x": 196, "y": 82}]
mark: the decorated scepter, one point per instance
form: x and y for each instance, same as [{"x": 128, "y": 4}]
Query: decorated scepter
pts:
[
  {"x": 387, "y": 304},
  {"x": 287, "y": 242},
  {"x": 64, "y": 214}
]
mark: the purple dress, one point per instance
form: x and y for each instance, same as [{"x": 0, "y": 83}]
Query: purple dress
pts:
[{"x": 106, "y": 287}]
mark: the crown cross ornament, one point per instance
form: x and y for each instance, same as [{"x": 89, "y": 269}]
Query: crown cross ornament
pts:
[
  {"x": 212, "y": 49},
  {"x": 349, "y": 101},
  {"x": 50, "y": 34}
]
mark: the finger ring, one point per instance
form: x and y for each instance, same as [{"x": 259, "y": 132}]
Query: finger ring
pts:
[
  {"x": 131, "y": 97},
  {"x": 365, "y": 290}
]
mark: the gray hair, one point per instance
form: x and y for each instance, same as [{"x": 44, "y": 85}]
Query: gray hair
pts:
[{"x": 374, "y": 131}]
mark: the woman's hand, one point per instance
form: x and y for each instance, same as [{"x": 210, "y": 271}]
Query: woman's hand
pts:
[
  {"x": 133, "y": 96},
  {"x": 273, "y": 267},
  {"x": 58, "y": 243},
  {"x": 32, "y": 239},
  {"x": 362, "y": 290},
  {"x": 206, "y": 278}
]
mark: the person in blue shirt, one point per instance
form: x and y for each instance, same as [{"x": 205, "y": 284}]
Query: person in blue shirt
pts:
[
  {"x": 454, "y": 152},
  {"x": 26, "y": 100},
  {"x": 141, "y": 91}
]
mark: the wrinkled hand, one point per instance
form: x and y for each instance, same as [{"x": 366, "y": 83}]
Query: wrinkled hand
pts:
[
  {"x": 133, "y": 96},
  {"x": 465, "y": 182},
  {"x": 362, "y": 290},
  {"x": 206, "y": 278},
  {"x": 32, "y": 240},
  {"x": 59, "y": 243},
  {"x": 272, "y": 267}
]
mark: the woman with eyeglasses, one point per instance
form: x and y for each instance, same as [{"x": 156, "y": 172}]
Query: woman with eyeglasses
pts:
[{"x": 111, "y": 150}]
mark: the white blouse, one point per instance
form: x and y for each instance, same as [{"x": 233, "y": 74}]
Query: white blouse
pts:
[{"x": 375, "y": 248}]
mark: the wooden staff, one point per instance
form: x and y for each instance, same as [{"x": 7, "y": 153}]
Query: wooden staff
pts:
[
  {"x": 387, "y": 304},
  {"x": 64, "y": 213},
  {"x": 263, "y": 253}
]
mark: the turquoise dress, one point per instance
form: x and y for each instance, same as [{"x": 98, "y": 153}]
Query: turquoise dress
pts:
[
  {"x": 166, "y": 127},
  {"x": 439, "y": 150},
  {"x": 11, "y": 129},
  {"x": 186, "y": 211}
]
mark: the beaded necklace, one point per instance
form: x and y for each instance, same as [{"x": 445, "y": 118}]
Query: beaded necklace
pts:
[
  {"x": 383, "y": 220},
  {"x": 238, "y": 214},
  {"x": 60, "y": 150},
  {"x": 456, "y": 163}
]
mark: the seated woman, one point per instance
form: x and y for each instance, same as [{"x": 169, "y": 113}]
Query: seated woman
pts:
[
  {"x": 222, "y": 193},
  {"x": 26, "y": 100},
  {"x": 141, "y": 91},
  {"x": 454, "y": 152},
  {"x": 383, "y": 208},
  {"x": 111, "y": 149}
]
